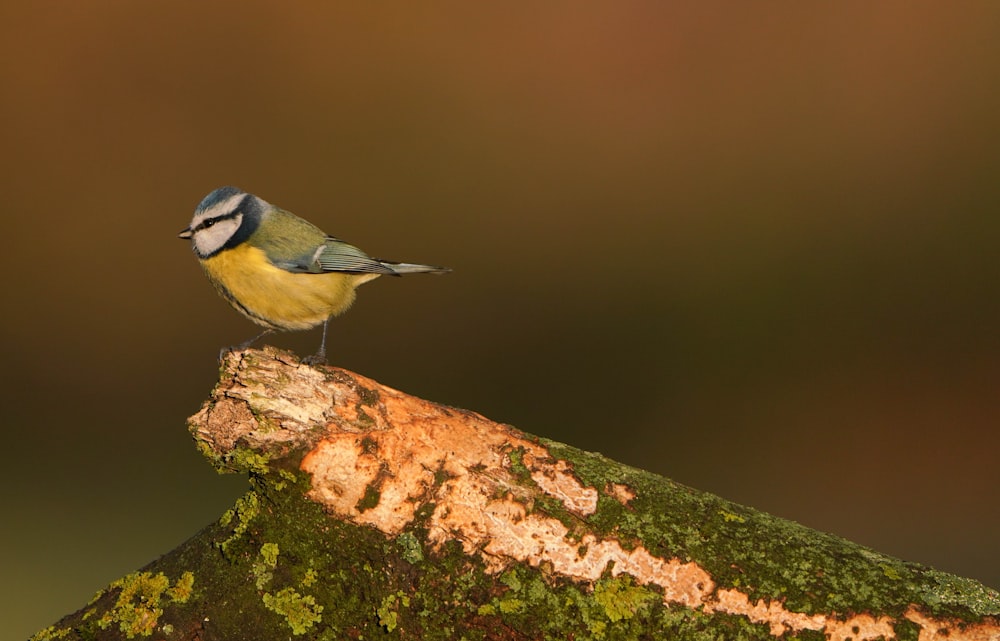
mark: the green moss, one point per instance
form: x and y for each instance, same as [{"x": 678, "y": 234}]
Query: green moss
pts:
[
  {"x": 906, "y": 630},
  {"x": 518, "y": 468},
  {"x": 329, "y": 579},
  {"x": 621, "y": 599},
  {"x": 509, "y": 606},
  {"x": 301, "y": 613},
  {"x": 890, "y": 571},
  {"x": 370, "y": 499},
  {"x": 766, "y": 557},
  {"x": 552, "y": 507}
]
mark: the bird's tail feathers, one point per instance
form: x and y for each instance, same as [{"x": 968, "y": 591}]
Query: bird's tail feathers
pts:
[{"x": 411, "y": 268}]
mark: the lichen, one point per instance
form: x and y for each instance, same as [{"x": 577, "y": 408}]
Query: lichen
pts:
[
  {"x": 263, "y": 566},
  {"x": 311, "y": 573},
  {"x": 244, "y": 459},
  {"x": 951, "y": 594},
  {"x": 807, "y": 571},
  {"x": 246, "y": 509},
  {"x": 301, "y": 612},
  {"x": 890, "y": 571},
  {"x": 388, "y": 611},
  {"x": 140, "y": 601},
  {"x": 509, "y": 606},
  {"x": 511, "y": 580},
  {"x": 410, "y": 547},
  {"x": 182, "y": 590},
  {"x": 50, "y": 633},
  {"x": 731, "y": 517},
  {"x": 286, "y": 478}
]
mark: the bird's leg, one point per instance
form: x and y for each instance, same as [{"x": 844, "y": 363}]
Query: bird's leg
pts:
[
  {"x": 319, "y": 357},
  {"x": 245, "y": 344}
]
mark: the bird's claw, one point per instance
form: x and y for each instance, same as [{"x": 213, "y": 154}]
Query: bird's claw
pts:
[{"x": 319, "y": 358}]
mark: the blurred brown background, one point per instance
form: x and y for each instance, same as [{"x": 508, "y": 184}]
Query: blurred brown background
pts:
[{"x": 751, "y": 248}]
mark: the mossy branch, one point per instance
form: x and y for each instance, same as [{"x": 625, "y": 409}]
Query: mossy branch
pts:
[{"x": 374, "y": 514}]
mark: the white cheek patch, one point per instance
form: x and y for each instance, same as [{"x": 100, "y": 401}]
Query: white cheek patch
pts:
[{"x": 209, "y": 240}]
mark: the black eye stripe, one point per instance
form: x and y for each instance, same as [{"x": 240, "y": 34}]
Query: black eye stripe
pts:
[{"x": 205, "y": 224}]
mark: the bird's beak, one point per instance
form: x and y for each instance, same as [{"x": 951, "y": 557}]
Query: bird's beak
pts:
[{"x": 185, "y": 234}]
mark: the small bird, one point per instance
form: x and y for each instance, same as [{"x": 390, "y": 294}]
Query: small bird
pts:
[{"x": 278, "y": 270}]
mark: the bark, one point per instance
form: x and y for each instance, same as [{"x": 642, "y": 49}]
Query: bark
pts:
[{"x": 373, "y": 514}]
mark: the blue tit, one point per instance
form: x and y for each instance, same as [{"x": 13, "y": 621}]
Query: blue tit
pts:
[{"x": 278, "y": 270}]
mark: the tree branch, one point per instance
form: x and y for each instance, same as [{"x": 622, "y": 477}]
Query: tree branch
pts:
[{"x": 377, "y": 514}]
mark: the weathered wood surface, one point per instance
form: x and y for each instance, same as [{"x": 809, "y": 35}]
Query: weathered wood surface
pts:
[{"x": 375, "y": 514}]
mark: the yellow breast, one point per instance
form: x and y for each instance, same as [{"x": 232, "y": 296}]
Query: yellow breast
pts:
[{"x": 276, "y": 298}]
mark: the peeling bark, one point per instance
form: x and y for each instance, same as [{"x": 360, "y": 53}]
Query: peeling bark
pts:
[{"x": 377, "y": 514}]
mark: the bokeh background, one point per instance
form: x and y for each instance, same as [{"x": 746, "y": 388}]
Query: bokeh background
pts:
[{"x": 751, "y": 247}]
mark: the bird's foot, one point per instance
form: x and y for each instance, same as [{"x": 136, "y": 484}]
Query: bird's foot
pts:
[
  {"x": 319, "y": 358},
  {"x": 226, "y": 351}
]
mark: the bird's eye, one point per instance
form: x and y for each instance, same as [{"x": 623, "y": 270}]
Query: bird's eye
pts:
[{"x": 208, "y": 223}]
